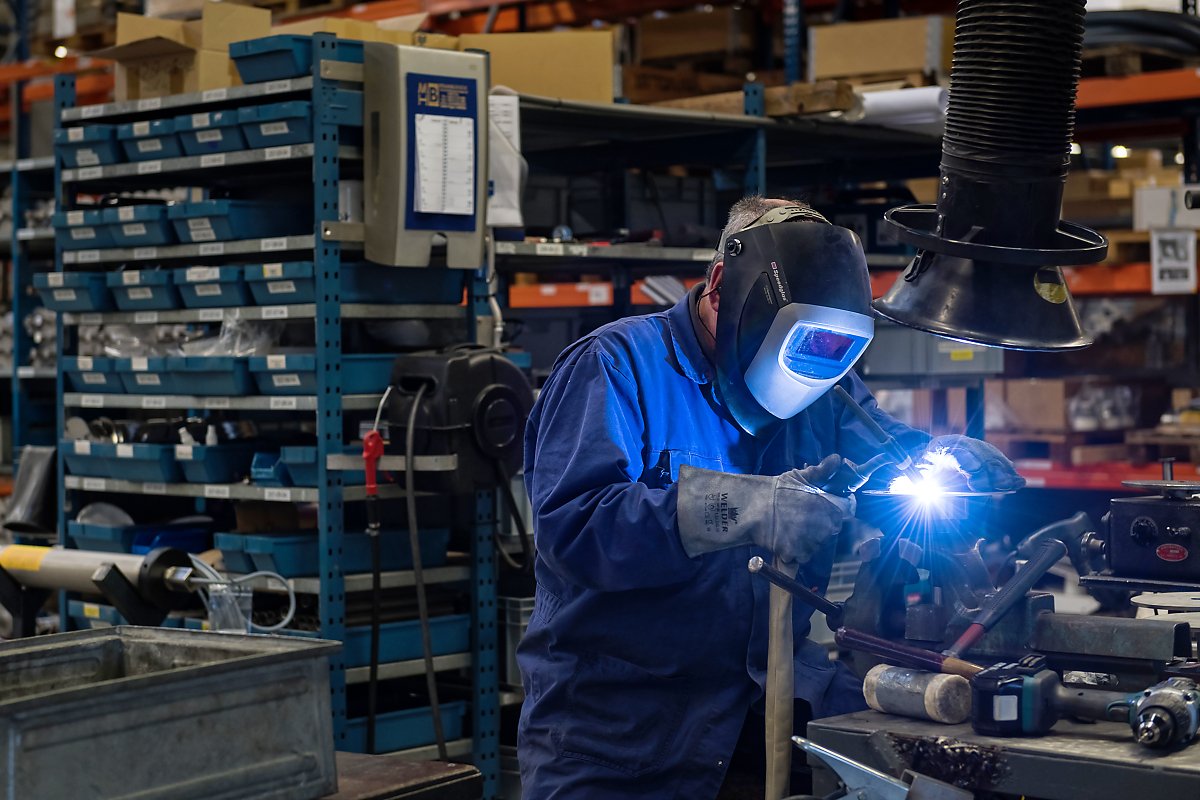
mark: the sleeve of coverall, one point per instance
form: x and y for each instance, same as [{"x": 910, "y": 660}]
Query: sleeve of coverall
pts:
[
  {"x": 855, "y": 441},
  {"x": 597, "y": 525}
]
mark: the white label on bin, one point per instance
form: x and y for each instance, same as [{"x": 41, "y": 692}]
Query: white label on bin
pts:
[
  {"x": 277, "y": 495},
  {"x": 205, "y": 137},
  {"x": 91, "y": 319},
  {"x": 578, "y": 250},
  {"x": 25, "y": 164},
  {"x": 199, "y": 224},
  {"x": 139, "y": 364},
  {"x": 75, "y": 135},
  {"x": 148, "y": 379},
  {"x": 92, "y": 401},
  {"x": 87, "y": 256},
  {"x": 126, "y": 213},
  {"x": 276, "y": 362},
  {"x": 149, "y": 104},
  {"x": 548, "y": 249},
  {"x": 212, "y": 160},
  {"x": 150, "y": 146},
  {"x": 141, "y": 129},
  {"x": 201, "y": 120},
  {"x": 599, "y": 294},
  {"x": 212, "y": 249},
  {"x": 283, "y": 404},
  {"x": 149, "y": 167},
  {"x": 214, "y": 95},
  {"x": 274, "y": 312},
  {"x": 86, "y": 157},
  {"x": 143, "y": 317},
  {"x": 198, "y": 274},
  {"x": 142, "y": 293},
  {"x": 506, "y": 248},
  {"x": 289, "y": 379},
  {"x": 183, "y": 452},
  {"x": 134, "y": 229},
  {"x": 281, "y": 287},
  {"x": 87, "y": 112},
  {"x": 83, "y": 234},
  {"x": 276, "y": 153},
  {"x": 273, "y": 128},
  {"x": 131, "y": 277},
  {"x": 278, "y": 243},
  {"x": 154, "y": 401},
  {"x": 208, "y": 290},
  {"x": 272, "y": 270},
  {"x": 89, "y": 174},
  {"x": 93, "y": 378},
  {"x": 212, "y": 314},
  {"x": 145, "y": 253},
  {"x": 218, "y": 492},
  {"x": 64, "y": 295},
  {"x": 74, "y": 217},
  {"x": 216, "y": 402},
  {"x": 83, "y": 447},
  {"x": 124, "y": 451},
  {"x": 154, "y": 488},
  {"x": 275, "y": 87},
  {"x": 54, "y": 279},
  {"x": 85, "y": 363},
  {"x": 94, "y": 484}
]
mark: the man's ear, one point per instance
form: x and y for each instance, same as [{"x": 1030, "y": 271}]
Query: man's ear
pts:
[{"x": 713, "y": 289}]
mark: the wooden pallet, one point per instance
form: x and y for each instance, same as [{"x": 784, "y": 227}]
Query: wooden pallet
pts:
[
  {"x": 1125, "y": 60},
  {"x": 1066, "y": 448},
  {"x": 779, "y": 101},
  {"x": 1165, "y": 441}
]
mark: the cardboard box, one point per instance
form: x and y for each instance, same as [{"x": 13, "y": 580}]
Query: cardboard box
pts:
[
  {"x": 1163, "y": 207},
  {"x": 345, "y": 29},
  {"x": 573, "y": 65},
  {"x": 882, "y": 47},
  {"x": 723, "y": 30}
]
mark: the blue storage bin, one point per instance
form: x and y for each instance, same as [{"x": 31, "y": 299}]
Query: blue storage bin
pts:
[
  {"x": 82, "y": 230},
  {"x": 222, "y": 463},
  {"x": 233, "y": 552},
  {"x": 212, "y": 287},
  {"x": 299, "y": 465},
  {"x": 145, "y": 462},
  {"x": 87, "y": 145},
  {"x": 143, "y": 289},
  {"x": 401, "y": 641},
  {"x": 88, "y": 374},
  {"x": 139, "y": 539},
  {"x": 73, "y": 291},
  {"x": 401, "y": 730},
  {"x": 298, "y": 555},
  {"x": 88, "y": 459},
  {"x": 297, "y": 374},
  {"x": 149, "y": 140},
  {"x": 226, "y": 220},
  {"x": 145, "y": 375},
  {"x": 280, "y": 284},
  {"x": 139, "y": 226},
  {"x": 98, "y": 615},
  {"x": 210, "y": 132},
  {"x": 277, "y": 123},
  {"x": 204, "y": 375},
  {"x": 267, "y": 470},
  {"x": 273, "y": 58},
  {"x": 372, "y": 283}
]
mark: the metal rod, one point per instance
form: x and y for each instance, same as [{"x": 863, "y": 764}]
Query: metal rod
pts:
[
  {"x": 831, "y": 610},
  {"x": 888, "y": 442}
]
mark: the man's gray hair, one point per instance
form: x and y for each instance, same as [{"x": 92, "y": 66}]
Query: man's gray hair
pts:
[{"x": 742, "y": 214}]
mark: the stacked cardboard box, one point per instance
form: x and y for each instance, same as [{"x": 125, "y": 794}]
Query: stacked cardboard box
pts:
[{"x": 869, "y": 51}]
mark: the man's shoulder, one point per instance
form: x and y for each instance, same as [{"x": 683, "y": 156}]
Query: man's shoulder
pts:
[{"x": 624, "y": 340}]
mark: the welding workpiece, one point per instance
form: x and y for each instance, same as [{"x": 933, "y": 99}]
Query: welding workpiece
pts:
[{"x": 1025, "y": 698}]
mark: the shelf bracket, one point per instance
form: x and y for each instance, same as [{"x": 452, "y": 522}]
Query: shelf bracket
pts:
[{"x": 342, "y": 71}]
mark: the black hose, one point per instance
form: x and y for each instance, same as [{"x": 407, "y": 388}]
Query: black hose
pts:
[
  {"x": 414, "y": 542},
  {"x": 510, "y": 500}
]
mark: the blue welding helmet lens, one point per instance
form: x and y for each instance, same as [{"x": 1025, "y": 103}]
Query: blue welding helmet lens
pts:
[{"x": 820, "y": 353}]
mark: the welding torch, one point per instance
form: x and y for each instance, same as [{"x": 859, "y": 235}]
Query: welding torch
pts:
[{"x": 892, "y": 448}]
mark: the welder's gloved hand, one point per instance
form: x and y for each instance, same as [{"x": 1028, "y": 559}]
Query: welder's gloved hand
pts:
[
  {"x": 786, "y": 514},
  {"x": 986, "y": 469}
]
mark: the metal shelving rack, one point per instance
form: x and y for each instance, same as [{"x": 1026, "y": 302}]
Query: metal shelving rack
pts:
[{"x": 331, "y": 111}]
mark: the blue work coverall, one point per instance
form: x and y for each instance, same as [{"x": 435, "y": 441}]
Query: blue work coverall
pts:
[{"x": 640, "y": 664}]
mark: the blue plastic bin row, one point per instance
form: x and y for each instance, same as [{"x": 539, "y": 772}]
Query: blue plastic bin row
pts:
[
  {"x": 295, "y": 555},
  {"x": 273, "y": 58},
  {"x": 139, "y": 539},
  {"x": 401, "y": 730},
  {"x": 159, "y": 463},
  {"x": 227, "y": 286},
  {"x": 250, "y": 127}
]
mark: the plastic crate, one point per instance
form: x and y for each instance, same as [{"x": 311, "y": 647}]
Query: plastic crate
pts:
[
  {"x": 401, "y": 730},
  {"x": 139, "y": 539},
  {"x": 277, "y": 123},
  {"x": 210, "y": 132},
  {"x": 277, "y": 284},
  {"x": 298, "y": 466},
  {"x": 211, "y": 375},
  {"x": 88, "y": 459},
  {"x": 294, "y": 556},
  {"x": 517, "y": 611},
  {"x": 88, "y": 374},
  {"x": 87, "y": 145},
  {"x": 154, "y": 463},
  {"x": 222, "y": 463},
  {"x": 149, "y": 140},
  {"x": 212, "y": 287},
  {"x": 371, "y": 283},
  {"x": 233, "y": 552},
  {"x": 73, "y": 291},
  {"x": 226, "y": 220},
  {"x": 82, "y": 230},
  {"x": 145, "y": 375},
  {"x": 273, "y": 58},
  {"x": 143, "y": 289},
  {"x": 267, "y": 470},
  {"x": 297, "y": 374},
  {"x": 401, "y": 641},
  {"x": 139, "y": 226}
]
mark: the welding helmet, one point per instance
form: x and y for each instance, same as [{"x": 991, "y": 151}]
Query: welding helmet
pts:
[{"x": 795, "y": 314}]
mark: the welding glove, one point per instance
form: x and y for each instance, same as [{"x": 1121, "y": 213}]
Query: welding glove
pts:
[
  {"x": 985, "y": 468},
  {"x": 787, "y": 514}
]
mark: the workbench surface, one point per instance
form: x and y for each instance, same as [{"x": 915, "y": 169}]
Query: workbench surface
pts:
[
  {"x": 362, "y": 777},
  {"x": 1075, "y": 760}
]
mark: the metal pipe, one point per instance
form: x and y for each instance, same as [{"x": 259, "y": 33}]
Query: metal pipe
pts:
[{"x": 58, "y": 568}]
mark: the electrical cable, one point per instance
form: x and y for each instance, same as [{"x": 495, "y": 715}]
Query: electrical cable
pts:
[
  {"x": 523, "y": 533},
  {"x": 213, "y": 577},
  {"x": 373, "y": 533}
]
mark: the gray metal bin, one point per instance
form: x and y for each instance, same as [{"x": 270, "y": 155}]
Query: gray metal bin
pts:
[{"x": 151, "y": 713}]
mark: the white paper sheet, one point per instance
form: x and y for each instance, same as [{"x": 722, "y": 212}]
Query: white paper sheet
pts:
[{"x": 445, "y": 179}]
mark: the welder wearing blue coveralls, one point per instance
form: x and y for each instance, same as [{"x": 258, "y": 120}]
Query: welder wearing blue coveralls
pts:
[{"x": 646, "y": 650}]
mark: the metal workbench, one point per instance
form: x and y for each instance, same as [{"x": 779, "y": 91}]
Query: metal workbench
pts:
[{"x": 1076, "y": 760}]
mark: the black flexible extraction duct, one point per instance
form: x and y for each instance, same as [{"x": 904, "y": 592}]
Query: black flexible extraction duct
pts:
[{"x": 987, "y": 268}]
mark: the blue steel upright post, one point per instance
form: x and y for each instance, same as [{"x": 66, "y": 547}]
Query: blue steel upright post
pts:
[
  {"x": 327, "y": 270},
  {"x": 64, "y": 98},
  {"x": 485, "y": 709},
  {"x": 754, "y": 105}
]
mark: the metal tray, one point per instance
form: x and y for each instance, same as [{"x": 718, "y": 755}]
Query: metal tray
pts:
[{"x": 155, "y": 713}]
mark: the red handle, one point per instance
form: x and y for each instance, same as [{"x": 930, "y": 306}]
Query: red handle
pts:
[{"x": 372, "y": 450}]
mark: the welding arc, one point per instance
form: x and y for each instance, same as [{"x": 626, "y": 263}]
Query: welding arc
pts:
[{"x": 886, "y": 440}]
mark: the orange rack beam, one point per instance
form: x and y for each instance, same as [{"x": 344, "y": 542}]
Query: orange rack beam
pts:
[{"x": 1149, "y": 87}]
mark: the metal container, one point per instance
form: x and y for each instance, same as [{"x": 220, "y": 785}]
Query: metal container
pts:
[{"x": 159, "y": 713}]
